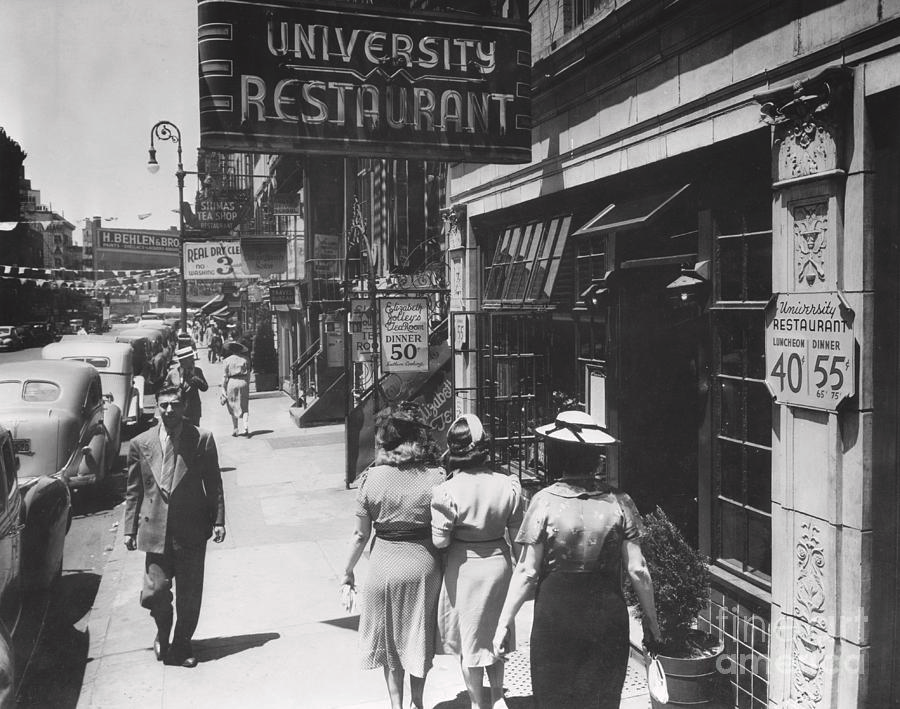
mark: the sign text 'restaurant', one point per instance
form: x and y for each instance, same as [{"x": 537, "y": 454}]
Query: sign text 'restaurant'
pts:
[{"x": 361, "y": 79}]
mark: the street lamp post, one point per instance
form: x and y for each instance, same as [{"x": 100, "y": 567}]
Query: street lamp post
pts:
[{"x": 166, "y": 130}]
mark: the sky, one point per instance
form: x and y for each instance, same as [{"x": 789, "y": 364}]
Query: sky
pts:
[{"x": 82, "y": 83}]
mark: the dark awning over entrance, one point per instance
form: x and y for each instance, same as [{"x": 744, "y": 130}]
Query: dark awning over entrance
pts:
[{"x": 215, "y": 303}]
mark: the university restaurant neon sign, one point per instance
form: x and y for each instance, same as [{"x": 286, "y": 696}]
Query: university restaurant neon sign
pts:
[{"x": 355, "y": 79}]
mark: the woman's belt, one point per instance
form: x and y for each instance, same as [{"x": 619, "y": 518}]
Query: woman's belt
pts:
[
  {"x": 403, "y": 535},
  {"x": 237, "y": 376},
  {"x": 495, "y": 540}
]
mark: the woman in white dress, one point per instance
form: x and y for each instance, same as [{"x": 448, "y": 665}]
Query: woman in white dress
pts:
[
  {"x": 475, "y": 513},
  {"x": 236, "y": 387}
]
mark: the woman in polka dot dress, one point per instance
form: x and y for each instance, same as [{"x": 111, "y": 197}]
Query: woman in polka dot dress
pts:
[{"x": 398, "y": 611}]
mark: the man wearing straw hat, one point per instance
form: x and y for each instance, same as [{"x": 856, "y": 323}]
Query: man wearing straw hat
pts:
[{"x": 190, "y": 380}]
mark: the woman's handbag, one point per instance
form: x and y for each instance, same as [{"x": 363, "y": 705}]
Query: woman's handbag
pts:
[
  {"x": 348, "y": 598},
  {"x": 222, "y": 398},
  {"x": 656, "y": 680}
]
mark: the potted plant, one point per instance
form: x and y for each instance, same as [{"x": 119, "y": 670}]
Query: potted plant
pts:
[
  {"x": 265, "y": 361},
  {"x": 680, "y": 573}
]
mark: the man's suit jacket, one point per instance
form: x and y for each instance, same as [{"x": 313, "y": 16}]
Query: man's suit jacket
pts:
[
  {"x": 190, "y": 389},
  {"x": 195, "y": 503}
]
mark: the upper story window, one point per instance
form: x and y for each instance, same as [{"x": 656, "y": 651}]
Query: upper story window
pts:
[{"x": 526, "y": 262}]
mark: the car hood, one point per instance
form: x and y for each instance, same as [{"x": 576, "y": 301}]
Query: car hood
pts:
[{"x": 44, "y": 439}]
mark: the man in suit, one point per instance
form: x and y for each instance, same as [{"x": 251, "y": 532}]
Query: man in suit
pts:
[
  {"x": 173, "y": 505},
  {"x": 189, "y": 378}
]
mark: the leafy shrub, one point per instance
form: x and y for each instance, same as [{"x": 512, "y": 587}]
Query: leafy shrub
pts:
[
  {"x": 681, "y": 577},
  {"x": 265, "y": 360}
]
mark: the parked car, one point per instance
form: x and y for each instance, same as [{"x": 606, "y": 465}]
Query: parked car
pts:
[
  {"x": 60, "y": 422},
  {"x": 130, "y": 318},
  {"x": 114, "y": 361},
  {"x": 35, "y": 514},
  {"x": 42, "y": 333},
  {"x": 9, "y": 338}
]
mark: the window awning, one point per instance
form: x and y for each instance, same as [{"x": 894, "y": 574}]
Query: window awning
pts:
[
  {"x": 631, "y": 214},
  {"x": 213, "y": 304}
]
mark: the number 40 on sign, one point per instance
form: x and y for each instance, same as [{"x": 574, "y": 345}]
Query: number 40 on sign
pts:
[{"x": 810, "y": 350}]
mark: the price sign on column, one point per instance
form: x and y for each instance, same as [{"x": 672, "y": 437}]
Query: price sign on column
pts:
[{"x": 810, "y": 350}]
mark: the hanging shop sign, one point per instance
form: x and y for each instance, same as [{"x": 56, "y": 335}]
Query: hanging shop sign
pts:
[
  {"x": 234, "y": 259},
  {"x": 404, "y": 334},
  {"x": 220, "y": 211},
  {"x": 326, "y": 256},
  {"x": 810, "y": 350},
  {"x": 361, "y": 331},
  {"x": 355, "y": 79},
  {"x": 282, "y": 295}
]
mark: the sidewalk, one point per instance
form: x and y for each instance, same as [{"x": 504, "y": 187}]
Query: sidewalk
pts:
[{"x": 272, "y": 632}]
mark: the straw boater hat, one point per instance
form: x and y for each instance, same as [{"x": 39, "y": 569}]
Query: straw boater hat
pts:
[
  {"x": 576, "y": 427},
  {"x": 184, "y": 353}
]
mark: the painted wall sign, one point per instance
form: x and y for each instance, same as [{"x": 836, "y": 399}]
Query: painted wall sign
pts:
[
  {"x": 134, "y": 240},
  {"x": 361, "y": 80},
  {"x": 810, "y": 350},
  {"x": 404, "y": 334},
  {"x": 326, "y": 256},
  {"x": 230, "y": 260}
]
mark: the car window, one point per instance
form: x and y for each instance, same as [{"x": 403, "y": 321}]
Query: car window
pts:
[
  {"x": 98, "y": 362},
  {"x": 40, "y": 391},
  {"x": 10, "y": 389},
  {"x": 5, "y": 330},
  {"x": 94, "y": 394}
]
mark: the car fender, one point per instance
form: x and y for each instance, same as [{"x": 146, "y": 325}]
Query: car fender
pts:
[
  {"x": 112, "y": 421},
  {"x": 47, "y": 510}
]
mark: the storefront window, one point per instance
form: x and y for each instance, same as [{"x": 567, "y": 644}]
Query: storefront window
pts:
[{"x": 742, "y": 408}]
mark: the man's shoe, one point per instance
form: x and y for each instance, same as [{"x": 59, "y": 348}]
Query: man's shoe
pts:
[{"x": 181, "y": 656}]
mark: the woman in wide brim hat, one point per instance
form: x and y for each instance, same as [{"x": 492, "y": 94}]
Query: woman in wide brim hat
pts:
[
  {"x": 578, "y": 533},
  {"x": 472, "y": 514},
  {"x": 236, "y": 387},
  {"x": 398, "y": 602}
]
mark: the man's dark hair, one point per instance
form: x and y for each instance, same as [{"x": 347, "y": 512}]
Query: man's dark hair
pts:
[{"x": 170, "y": 390}]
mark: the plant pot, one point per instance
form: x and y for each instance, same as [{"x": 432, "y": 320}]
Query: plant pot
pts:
[
  {"x": 266, "y": 381},
  {"x": 691, "y": 681}
]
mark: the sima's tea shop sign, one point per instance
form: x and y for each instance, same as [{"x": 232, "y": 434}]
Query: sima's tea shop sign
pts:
[{"x": 360, "y": 80}]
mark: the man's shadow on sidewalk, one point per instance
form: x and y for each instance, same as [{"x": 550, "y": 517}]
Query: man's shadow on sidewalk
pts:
[{"x": 216, "y": 648}]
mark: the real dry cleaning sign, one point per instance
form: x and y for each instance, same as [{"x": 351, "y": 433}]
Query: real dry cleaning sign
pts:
[
  {"x": 357, "y": 79},
  {"x": 234, "y": 259}
]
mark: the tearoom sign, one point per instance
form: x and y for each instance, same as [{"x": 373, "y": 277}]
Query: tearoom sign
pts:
[
  {"x": 404, "y": 334},
  {"x": 810, "y": 350}
]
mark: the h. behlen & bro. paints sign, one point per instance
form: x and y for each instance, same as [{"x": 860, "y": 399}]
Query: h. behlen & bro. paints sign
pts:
[{"x": 360, "y": 80}]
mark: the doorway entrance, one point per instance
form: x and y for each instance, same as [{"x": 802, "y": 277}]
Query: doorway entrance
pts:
[{"x": 658, "y": 402}]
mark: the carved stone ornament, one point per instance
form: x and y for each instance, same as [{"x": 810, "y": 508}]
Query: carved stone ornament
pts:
[
  {"x": 455, "y": 225},
  {"x": 810, "y": 242},
  {"x": 807, "y": 117},
  {"x": 808, "y": 645}
]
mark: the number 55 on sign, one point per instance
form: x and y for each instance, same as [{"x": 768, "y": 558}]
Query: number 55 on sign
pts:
[{"x": 810, "y": 350}]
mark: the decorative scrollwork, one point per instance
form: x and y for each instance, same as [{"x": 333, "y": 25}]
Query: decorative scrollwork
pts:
[
  {"x": 810, "y": 242},
  {"x": 808, "y": 645}
]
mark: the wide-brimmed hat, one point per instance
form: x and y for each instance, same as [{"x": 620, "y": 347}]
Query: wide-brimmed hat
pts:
[
  {"x": 235, "y": 347},
  {"x": 186, "y": 352},
  {"x": 576, "y": 427}
]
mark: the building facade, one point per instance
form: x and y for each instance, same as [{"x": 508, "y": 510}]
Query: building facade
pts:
[{"x": 698, "y": 172}]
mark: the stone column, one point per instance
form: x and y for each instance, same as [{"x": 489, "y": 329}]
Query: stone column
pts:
[
  {"x": 462, "y": 256},
  {"x": 821, "y": 556}
]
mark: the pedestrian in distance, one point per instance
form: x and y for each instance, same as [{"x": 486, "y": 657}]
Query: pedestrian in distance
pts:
[
  {"x": 236, "y": 388},
  {"x": 578, "y": 533},
  {"x": 214, "y": 353},
  {"x": 159, "y": 367},
  {"x": 190, "y": 380},
  {"x": 173, "y": 505},
  {"x": 398, "y": 602},
  {"x": 471, "y": 514}
]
